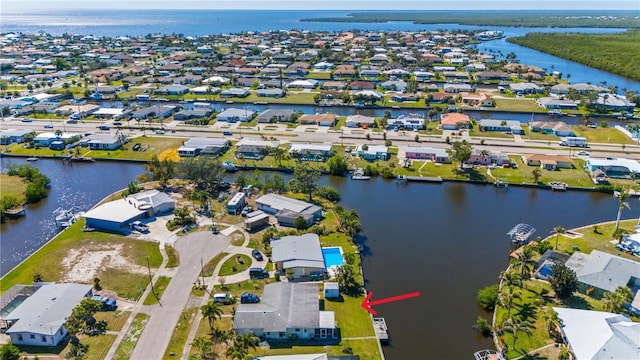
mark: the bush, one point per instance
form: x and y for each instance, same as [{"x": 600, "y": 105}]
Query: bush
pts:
[
  {"x": 329, "y": 193},
  {"x": 300, "y": 223},
  {"x": 542, "y": 247},
  {"x": 488, "y": 297},
  {"x": 483, "y": 326}
]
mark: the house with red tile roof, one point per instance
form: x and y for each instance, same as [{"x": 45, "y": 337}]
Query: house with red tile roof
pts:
[{"x": 454, "y": 121}]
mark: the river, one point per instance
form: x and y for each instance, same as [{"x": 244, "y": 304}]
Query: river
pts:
[{"x": 446, "y": 241}]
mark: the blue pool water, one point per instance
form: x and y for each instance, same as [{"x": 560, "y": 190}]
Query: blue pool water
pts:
[{"x": 332, "y": 257}]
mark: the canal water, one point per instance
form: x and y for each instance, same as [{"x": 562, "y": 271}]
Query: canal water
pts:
[{"x": 444, "y": 240}]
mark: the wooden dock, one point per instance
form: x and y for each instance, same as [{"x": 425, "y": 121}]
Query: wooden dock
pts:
[
  {"x": 424, "y": 179},
  {"x": 380, "y": 327},
  {"x": 15, "y": 212}
]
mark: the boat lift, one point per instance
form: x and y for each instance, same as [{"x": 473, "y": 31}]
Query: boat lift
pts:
[{"x": 521, "y": 233}]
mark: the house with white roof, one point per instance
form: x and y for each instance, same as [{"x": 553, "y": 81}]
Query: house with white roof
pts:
[
  {"x": 39, "y": 319},
  {"x": 604, "y": 271},
  {"x": 203, "y": 146},
  {"x": 373, "y": 152},
  {"x": 301, "y": 255},
  {"x": 234, "y": 114},
  {"x": 310, "y": 152},
  {"x": 354, "y": 121},
  {"x": 599, "y": 335},
  {"x": 287, "y": 311},
  {"x": 613, "y": 167},
  {"x": 287, "y": 210}
]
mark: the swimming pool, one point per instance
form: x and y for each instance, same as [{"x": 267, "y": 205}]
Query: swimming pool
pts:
[{"x": 332, "y": 257}]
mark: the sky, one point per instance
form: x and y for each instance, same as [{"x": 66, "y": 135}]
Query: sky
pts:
[{"x": 39, "y": 5}]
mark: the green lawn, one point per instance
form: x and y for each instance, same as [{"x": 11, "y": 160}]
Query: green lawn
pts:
[
  {"x": 608, "y": 135},
  {"x": 180, "y": 334},
  {"x": 125, "y": 349},
  {"x": 48, "y": 260},
  {"x": 160, "y": 286},
  {"x": 535, "y": 135},
  {"x": 490, "y": 134},
  {"x": 115, "y": 319},
  {"x": 98, "y": 345},
  {"x": 290, "y": 98},
  {"x": 211, "y": 265},
  {"x": 524, "y": 105},
  {"x": 319, "y": 75},
  {"x": 522, "y": 174},
  {"x": 235, "y": 264},
  {"x": 351, "y": 318},
  {"x": 154, "y": 145},
  {"x": 12, "y": 185},
  {"x": 173, "y": 258}
]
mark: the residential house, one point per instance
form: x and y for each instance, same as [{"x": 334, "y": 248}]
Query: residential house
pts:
[
  {"x": 373, "y": 152},
  {"x": 394, "y": 85},
  {"x": 492, "y": 75},
  {"x": 234, "y": 114},
  {"x": 334, "y": 85},
  {"x": 355, "y": 121},
  {"x": 362, "y": 85},
  {"x": 163, "y": 111},
  {"x": 287, "y": 210},
  {"x": 173, "y": 89},
  {"x": 310, "y": 152},
  {"x": 557, "y": 128},
  {"x": 249, "y": 148},
  {"x": 456, "y": 88},
  {"x": 553, "y": 103},
  {"x": 304, "y": 84},
  {"x": 508, "y": 126},
  {"x": 423, "y": 75},
  {"x": 272, "y": 93},
  {"x": 406, "y": 122},
  {"x": 427, "y": 153},
  {"x": 299, "y": 255},
  {"x": 277, "y": 115},
  {"x": 479, "y": 157},
  {"x": 344, "y": 71},
  {"x": 46, "y": 138},
  {"x": 203, "y": 146},
  {"x": 192, "y": 114},
  {"x": 105, "y": 141},
  {"x": 287, "y": 311},
  {"x": 617, "y": 168},
  {"x": 559, "y": 90},
  {"x": 323, "y": 66},
  {"x": 39, "y": 319},
  {"x": 603, "y": 271},
  {"x": 234, "y": 92},
  {"x": 454, "y": 121},
  {"x": 318, "y": 119},
  {"x": 12, "y": 136},
  {"x": 525, "y": 88},
  {"x": 593, "y": 335},
  {"x": 613, "y": 102},
  {"x": 401, "y": 97},
  {"x": 548, "y": 162}
]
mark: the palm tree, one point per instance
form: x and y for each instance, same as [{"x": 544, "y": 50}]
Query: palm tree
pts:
[
  {"x": 524, "y": 262},
  {"x": 550, "y": 318},
  {"x": 241, "y": 344},
  {"x": 620, "y": 234},
  {"x": 211, "y": 311},
  {"x": 558, "y": 230},
  {"x": 507, "y": 297},
  {"x": 515, "y": 325},
  {"x": 203, "y": 345},
  {"x": 622, "y": 196},
  {"x": 279, "y": 154},
  {"x": 511, "y": 278}
]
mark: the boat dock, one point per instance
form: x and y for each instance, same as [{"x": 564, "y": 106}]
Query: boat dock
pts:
[
  {"x": 380, "y": 327},
  {"x": 15, "y": 212},
  {"x": 521, "y": 233},
  {"x": 501, "y": 184},
  {"x": 558, "y": 186},
  {"x": 423, "y": 179}
]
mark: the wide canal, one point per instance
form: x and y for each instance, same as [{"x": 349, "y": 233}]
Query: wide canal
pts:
[{"x": 446, "y": 241}]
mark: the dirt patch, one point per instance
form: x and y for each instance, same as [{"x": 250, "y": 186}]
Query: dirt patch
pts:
[{"x": 82, "y": 265}]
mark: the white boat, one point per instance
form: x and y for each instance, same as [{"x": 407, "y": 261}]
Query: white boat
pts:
[
  {"x": 65, "y": 217},
  {"x": 229, "y": 166},
  {"x": 555, "y": 112},
  {"x": 358, "y": 174},
  {"x": 33, "y": 158}
]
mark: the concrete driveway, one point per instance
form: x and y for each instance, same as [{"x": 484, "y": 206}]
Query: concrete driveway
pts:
[{"x": 193, "y": 248}]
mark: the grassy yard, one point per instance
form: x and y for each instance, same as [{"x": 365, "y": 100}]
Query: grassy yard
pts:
[
  {"x": 290, "y": 98},
  {"x": 115, "y": 319},
  {"x": 235, "y": 264},
  {"x": 602, "y": 135},
  {"x": 98, "y": 346},
  {"x": 48, "y": 260},
  {"x": 522, "y": 174},
  {"x": 490, "y": 134},
  {"x": 125, "y": 349},
  {"x": 445, "y": 171},
  {"x": 352, "y": 320},
  {"x": 180, "y": 333},
  {"x": 211, "y": 265},
  {"x": 160, "y": 286},
  {"x": 525, "y": 105},
  {"x": 155, "y": 145},
  {"x": 12, "y": 185},
  {"x": 535, "y": 135},
  {"x": 319, "y": 75},
  {"x": 173, "y": 258}
]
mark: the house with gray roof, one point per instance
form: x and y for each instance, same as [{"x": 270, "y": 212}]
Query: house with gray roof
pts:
[
  {"x": 173, "y": 89},
  {"x": 234, "y": 92},
  {"x": 604, "y": 271},
  {"x": 287, "y": 312},
  {"x": 234, "y": 114},
  {"x": 276, "y": 115},
  {"x": 105, "y": 141},
  {"x": 192, "y": 114},
  {"x": 163, "y": 111},
  {"x": 13, "y": 136},
  {"x": 39, "y": 319},
  {"x": 599, "y": 334},
  {"x": 300, "y": 254},
  {"x": 203, "y": 146},
  {"x": 286, "y": 210},
  {"x": 507, "y": 126}
]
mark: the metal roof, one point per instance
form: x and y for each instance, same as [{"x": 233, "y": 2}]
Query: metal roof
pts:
[
  {"x": 45, "y": 311},
  {"x": 117, "y": 211},
  {"x": 279, "y": 202},
  {"x": 298, "y": 251}
]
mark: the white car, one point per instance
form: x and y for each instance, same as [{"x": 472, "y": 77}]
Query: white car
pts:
[
  {"x": 583, "y": 153},
  {"x": 160, "y": 132}
]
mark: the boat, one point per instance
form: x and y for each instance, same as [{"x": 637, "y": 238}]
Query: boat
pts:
[
  {"x": 521, "y": 233},
  {"x": 358, "y": 174},
  {"x": 229, "y": 166},
  {"x": 555, "y": 112},
  {"x": 65, "y": 217},
  {"x": 33, "y": 158},
  {"x": 487, "y": 355},
  {"x": 558, "y": 185},
  {"x": 15, "y": 212},
  {"x": 401, "y": 179},
  {"x": 382, "y": 333}
]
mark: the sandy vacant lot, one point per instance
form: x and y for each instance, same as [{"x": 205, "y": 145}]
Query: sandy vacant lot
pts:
[{"x": 82, "y": 265}]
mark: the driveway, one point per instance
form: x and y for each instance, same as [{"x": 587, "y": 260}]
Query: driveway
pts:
[{"x": 193, "y": 248}]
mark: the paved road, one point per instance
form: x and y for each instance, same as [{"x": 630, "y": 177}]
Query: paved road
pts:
[{"x": 164, "y": 317}]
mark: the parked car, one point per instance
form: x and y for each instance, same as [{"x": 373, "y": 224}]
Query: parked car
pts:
[
  {"x": 248, "y": 298},
  {"x": 223, "y": 298},
  {"x": 160, "y": 132},
  {"x": 348, "y": 149},
  {"x": 48, "y": 126},
  {"x": 227, "y": 133},
  {"x": 139, "y": 226},
  {"x": 256, "y": 254},
  {"x": 258, "y": 273},
  {"x": 583, "y": 153}
]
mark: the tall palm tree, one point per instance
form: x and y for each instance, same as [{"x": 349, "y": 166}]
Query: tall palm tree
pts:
[
  {"x": 524, "y": 262},
  {"x": 507, "y": 296},
  {"x": 211, "y": 311},
  {"x": 550, "y": 318},
  {"x": 622, "y": 197},
  {"x": 511, "y": 278},
  {"x": 558, "y": 230},
  {"x": 279, "y": 154},
  {"x": 515, "y": 325}
]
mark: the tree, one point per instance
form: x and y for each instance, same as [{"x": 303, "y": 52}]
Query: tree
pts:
[
  {"x": 515, "y": 326},
  {"x": 460, "y": 151},
  {"x": 620, "y": 234},
  {"x": 305, "y": 180},
  {"x": 507, "y": 297},
  {"x": 511, "y": 278},
  {"x": 203, "y": 172},
  {"x": 161, "y": 170},
  {"x": 558, "y": 230},
  {"x": 615, "y": 300},
  {"x": 204, "y": 346},
  {"x": 211, "y": 311},
  {"x": 550, "y": 318},
  {"x": 347, "y": 280},
  {"x": 300, "y": 223},
  {"x": 622, "y": 197},
  {"x": 337, "y": 165},
  {"x": 241, "y": 345},
  {"x": 488, "y": 297},
  {"x": 536, "y": 174},
  {"x": 563, "y": 281},
  {"x": 348, "y": 221},
  {"x": 38, "y": 277},
  {"x": 329, "y": 193},
  {"x": 279, "y": 154},
  {"x": 9, "y": 352},
  {"x": 96, "y": 283},
  {"x": 524, "y": 262}
]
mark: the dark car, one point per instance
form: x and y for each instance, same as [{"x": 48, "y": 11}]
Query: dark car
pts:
[
  {"x": 248, "y": 298},
  {"x": 258, "y": 273},
  {"x": 256, "y": 254}
]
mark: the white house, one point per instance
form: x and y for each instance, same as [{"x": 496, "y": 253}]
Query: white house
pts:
[{"x": 301, "y": 255}]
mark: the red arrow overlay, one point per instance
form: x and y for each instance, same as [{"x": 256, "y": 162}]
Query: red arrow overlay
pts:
[{"x": 367, "y": 303}]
